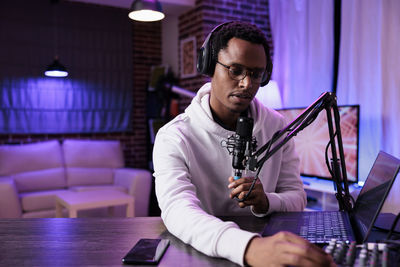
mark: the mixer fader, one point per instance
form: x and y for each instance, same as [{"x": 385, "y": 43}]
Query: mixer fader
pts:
[{"x": 351, "y": 254}]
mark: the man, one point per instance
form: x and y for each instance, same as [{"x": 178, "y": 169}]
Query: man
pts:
[{"x": 194, "y": 182}]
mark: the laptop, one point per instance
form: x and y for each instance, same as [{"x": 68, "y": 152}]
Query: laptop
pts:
[{"x": 321, "y": 226}]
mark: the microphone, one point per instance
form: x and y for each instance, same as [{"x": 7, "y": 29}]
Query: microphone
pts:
[{"x": 243, "y": 145}]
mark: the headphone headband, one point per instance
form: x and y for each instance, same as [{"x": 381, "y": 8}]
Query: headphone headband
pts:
[{"x": 206, "y": 65}]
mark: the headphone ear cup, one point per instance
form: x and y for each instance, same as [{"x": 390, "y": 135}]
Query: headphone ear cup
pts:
[
  {"x": 200, "y": 61},
  {"x": 205, "y": 64},
  {"x": 267, "y": 73},
  {"x": 204, "y": 57}
]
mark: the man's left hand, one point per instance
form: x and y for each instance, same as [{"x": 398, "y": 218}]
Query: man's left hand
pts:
[{"x": 256, "y": 198}]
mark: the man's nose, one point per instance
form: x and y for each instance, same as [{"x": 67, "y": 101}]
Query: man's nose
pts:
[{"x": 246, "y": 82}]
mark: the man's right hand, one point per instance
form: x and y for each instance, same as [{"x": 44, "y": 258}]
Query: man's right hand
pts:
[{"x": 285, "y": 248}]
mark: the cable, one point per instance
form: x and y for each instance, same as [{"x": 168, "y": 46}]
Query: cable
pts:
[
  {"x": 326, "y": 156},
  {"x": 258, "y": 172},
  {"x": 386, "y": 230},
  {"x": 273, "y": 139},
  {"x": 331, "y": 171},
  {"x": 393, "y": 243},
  {"x": 391, "y": 231},
  {"x": 251, "y": 187}
]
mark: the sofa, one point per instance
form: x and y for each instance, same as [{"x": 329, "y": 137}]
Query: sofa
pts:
[{"x": 31, "y": 175}]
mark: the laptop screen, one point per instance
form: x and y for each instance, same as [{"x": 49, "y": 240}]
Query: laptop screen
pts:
[{"x": 376, "y": 187}]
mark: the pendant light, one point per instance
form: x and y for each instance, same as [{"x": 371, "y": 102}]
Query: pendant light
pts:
[
  {"x": 55, "y": 69},
  {"x": 146, "y": 10}
]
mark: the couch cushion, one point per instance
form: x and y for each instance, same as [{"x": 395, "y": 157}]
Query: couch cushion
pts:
[
  {"x": 93, "y": 154},
  {"x": 42, "y": 200},
  {"x": 89, "y": 176},
  {"x": 10, "y": 206},
  {"x": 50, "y": 213},
  {"x": 30, "y": 157},
  {"x": 98, "y": 187},
  {"x": 40, "y": 180}
]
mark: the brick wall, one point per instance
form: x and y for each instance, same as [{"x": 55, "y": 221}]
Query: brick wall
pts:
[{"x": 146, "y": 53}]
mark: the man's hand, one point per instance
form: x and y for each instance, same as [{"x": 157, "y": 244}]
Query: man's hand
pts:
[
  {"x": 257, "y": 197},
  {"x": 284, "y": 249}
]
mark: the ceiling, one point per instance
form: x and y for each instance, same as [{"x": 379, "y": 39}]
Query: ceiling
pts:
[{"x": 170, "y": 7}]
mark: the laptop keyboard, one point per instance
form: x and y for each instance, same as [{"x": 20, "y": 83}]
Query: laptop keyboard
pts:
[{"x": 321, "y": 227}]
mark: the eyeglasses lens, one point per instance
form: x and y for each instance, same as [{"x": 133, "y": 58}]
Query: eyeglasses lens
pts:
[{"x": 239, "y": 73}]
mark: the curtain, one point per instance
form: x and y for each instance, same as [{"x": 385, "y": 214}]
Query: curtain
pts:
[
  {"x": 369, "y": 67},
  {"x": 56, "y": 105},
  {"x": 302, "y": 33},
  {"x": 369, "y": 75}
]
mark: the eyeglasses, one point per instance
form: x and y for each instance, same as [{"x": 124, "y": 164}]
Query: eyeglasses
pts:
[{"x": 238, "y": 72}]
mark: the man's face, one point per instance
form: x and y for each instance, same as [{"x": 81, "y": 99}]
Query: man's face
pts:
[{"x": 230, "y": 97}]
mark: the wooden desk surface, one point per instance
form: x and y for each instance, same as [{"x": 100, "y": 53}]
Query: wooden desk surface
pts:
[{"x": 95, "y": 241}]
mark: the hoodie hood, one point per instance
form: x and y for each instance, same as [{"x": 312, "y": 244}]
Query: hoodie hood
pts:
[{"x": 200, "y": 112}]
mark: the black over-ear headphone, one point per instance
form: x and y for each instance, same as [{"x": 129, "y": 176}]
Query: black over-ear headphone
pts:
[{"x": 206, "y": 65}]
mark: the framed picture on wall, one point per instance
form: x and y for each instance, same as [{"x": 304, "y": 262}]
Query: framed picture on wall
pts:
[{"x": 188, "y": 57}]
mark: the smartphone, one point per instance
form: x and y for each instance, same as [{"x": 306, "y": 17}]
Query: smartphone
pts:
[{"x": 146, "y": 251}]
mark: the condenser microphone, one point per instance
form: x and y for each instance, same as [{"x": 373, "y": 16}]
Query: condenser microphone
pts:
[{"x": 243, "y": 144}]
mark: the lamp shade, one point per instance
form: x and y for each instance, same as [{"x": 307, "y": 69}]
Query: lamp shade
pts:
[
  {"x": 56, "y": 69},
  {"x": 146, "y": 10}
]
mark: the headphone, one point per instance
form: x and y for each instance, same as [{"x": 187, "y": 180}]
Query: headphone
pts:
[{"x": 206, "y": 65}]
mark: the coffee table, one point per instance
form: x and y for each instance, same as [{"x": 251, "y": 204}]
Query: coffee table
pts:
[{"x": 75, "y": 201}]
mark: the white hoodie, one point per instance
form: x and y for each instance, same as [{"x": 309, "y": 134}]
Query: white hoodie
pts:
[{"x": 192, "y": 170}]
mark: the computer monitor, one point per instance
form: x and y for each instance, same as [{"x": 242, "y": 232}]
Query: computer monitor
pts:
[{"x": 312, "y": 141}]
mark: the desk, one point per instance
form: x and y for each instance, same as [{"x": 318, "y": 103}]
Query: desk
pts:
[
  {"x": 97, "y": 241},
  {"x": 92, "y": 241},
  {"x": 323, "y": 191}
]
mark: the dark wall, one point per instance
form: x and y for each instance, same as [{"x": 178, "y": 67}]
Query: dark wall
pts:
[
  {"x": 146, "y": 51},
  {"x": 27, "y": 41}
]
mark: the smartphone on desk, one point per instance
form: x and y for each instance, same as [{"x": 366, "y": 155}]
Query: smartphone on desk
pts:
[{"x": 146, "y": 251}]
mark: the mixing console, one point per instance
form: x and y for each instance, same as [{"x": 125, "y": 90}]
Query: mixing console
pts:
[{"x": 351, "y": 254}]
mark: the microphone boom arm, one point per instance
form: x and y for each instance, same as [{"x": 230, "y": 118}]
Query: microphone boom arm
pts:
[{"x": 328, "y": 102}]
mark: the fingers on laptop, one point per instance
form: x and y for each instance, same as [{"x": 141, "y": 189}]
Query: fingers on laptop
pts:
[
  {"x": 285, "y": 249},
  {"x": 297, "y": 251}
]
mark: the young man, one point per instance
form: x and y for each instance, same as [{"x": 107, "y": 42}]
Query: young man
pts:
[{"x": 194, "y": 182}]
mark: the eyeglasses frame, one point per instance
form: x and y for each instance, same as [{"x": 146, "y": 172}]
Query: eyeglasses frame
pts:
[{"x": 245, "y": 75}]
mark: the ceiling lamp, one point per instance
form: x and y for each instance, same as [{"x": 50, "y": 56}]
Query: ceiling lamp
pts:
[
  {"x": 55, "y": 69},
  {"x": 146, "y": 10}
]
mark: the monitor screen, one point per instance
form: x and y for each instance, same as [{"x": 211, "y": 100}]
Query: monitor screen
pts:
[{"x": 311, "y": 142}]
